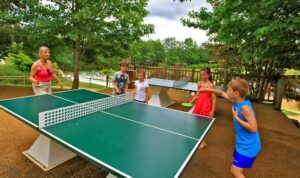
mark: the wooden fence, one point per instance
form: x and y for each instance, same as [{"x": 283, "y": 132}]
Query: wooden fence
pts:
[
  {"x": 191, "y": 75},
  {"x": 262, "y": 88},
  {"x": 16, "y": 80}
]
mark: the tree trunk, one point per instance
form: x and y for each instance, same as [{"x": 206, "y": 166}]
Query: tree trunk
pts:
[
  {"x": 76, "y": 64},
  {"x": 281, "y": 84},
  {"x": 264, "y": 89}
]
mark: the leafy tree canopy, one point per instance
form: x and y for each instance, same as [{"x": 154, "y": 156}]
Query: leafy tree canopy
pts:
[
  {"x": 168, "y": 52},
  {"x": 260, "y": 30},
  {"x": 109, "y": 26}
]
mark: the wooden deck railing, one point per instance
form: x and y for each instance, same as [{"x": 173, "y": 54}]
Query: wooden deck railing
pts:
[
  {"x": 262, "y": 88},
  {"x": 21, "y": 80}
]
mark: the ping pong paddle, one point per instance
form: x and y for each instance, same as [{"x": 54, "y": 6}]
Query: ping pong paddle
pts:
[{"x": 187, "y": 104}]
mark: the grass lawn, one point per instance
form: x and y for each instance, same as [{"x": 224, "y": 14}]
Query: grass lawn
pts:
[
  {"x": 88, "y": 85},
  {"x": 289, "y": 113},
  {"x": 67, "y": 84},
  {"x": 292, "y": 72}
]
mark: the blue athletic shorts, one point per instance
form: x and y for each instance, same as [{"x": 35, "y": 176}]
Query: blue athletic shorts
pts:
[{"x": 242, "y": 161}]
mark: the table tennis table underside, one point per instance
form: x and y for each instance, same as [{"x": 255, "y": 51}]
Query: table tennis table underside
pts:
[{"x": 161, "y": 87}]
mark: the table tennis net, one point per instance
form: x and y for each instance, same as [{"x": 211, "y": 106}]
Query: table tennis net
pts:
[
  {"x": 55, "y": 116},
  {"x": 178, "y": 83}
]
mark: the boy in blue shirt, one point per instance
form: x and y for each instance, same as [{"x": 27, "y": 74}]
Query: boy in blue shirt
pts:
[{"x": 248, "y": 142}]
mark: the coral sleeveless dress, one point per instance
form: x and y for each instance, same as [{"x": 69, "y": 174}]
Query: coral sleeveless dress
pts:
[{"x": 203, "y": 103}]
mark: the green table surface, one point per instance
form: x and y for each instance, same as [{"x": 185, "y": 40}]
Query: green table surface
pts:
[{"x": 131, "y": 140}]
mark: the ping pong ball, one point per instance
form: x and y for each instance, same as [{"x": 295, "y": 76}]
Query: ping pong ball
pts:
[{"x": 192, "y": 93}]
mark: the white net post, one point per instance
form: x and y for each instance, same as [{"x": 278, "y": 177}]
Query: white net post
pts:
[{"x": 178, "y": 83}]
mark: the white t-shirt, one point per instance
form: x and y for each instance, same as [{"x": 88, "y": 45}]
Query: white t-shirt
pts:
[{"x": 140, "y": 90}]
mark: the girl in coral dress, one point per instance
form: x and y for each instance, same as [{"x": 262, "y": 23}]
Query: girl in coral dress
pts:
[{"x": 205, "y": 103}]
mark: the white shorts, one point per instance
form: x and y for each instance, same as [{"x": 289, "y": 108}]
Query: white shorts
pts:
[{"x": 41, "y": 88}]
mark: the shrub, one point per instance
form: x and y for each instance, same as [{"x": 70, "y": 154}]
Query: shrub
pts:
[{"x": 21, "y": 61}]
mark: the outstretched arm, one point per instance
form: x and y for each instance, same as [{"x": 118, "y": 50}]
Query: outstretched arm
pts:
[
  {"x": 147, "y": 94},
  {"x": 213, "y": 101},
  {"x": 194, "y": 97},
  {"x": 217, "y": 92},
  {"x": 56, "y": 78}
]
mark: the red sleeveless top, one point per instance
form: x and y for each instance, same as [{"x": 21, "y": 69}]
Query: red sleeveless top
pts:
[
  {"x": 203, "y": 103},
  {"x": 44, "y": 74}
]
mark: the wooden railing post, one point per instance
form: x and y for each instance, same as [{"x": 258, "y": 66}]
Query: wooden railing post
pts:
[
  {"x": 193, "y": 75},
  {"x": 225, "y": 82},
  {"x": 165, "y": 73}
]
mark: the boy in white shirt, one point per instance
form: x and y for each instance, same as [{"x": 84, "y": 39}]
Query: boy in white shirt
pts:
[{"x": 141, "y": 88}]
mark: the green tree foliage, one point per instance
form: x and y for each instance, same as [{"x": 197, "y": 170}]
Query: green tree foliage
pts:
[
  {"x": 193, "y": 54},
  {"x": 5, "y": 30},
  {"x": 186, "y": 52},
  {"x": 260, "y": 30},
  {"x": 21, "y": 61},
  {"x": 257, "y": 38},
  {"x": 9, "y": 69},
  {"x": 63, "y": 56},
  {"x": 5, "y": 41},
  {"x": 172, "y": 50},
  {"x": 107, "y": 25},
  {"x": 168, "y": 52},
  {"x": 146, "y": 52},
  {"x": 94, "y": 59}
]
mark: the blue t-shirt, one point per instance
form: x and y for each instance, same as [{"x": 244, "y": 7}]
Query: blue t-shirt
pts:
[{"x": 247, "y": 143}]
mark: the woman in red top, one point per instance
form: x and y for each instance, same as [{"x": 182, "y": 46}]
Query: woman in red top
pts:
[
  {"x": 205, "y": 101},
  {"x": 42, "y": 72}
]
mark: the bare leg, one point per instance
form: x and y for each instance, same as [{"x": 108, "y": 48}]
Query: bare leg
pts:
[
  {"x": 203, "y": 144},
  {"x": 237, "y": 172}
]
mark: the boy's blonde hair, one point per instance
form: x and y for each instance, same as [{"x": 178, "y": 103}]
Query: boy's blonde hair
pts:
[
  {"x": 240, "y": 85},
  {"x": 124, "y": 63}
]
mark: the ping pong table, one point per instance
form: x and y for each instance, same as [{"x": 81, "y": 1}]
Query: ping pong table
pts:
[
  {"x": 160, "y": 88},
  {"x": 121, "y": 136}
]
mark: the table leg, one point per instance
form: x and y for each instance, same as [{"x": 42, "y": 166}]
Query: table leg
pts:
[
  {"x": 111, "y": 176},
  {"x": 48, "y": 154},
  {"x": 191, "y": 110},
  {"x": 160, "y": 97}
]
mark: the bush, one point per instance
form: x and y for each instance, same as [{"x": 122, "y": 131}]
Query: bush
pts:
[
  {"x": 108, "y": 72},
  {"x": 200, "y": 66},
  {"x": 291, "y": 91},
  {"x": 10, "y": 70},
  {"x": 21, "y": 61}
]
